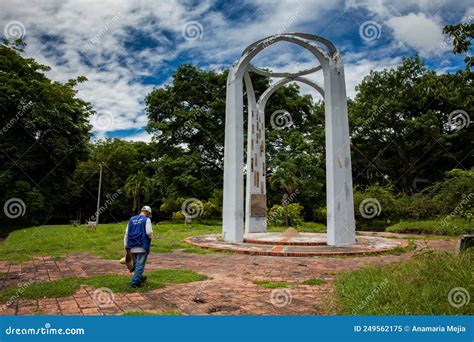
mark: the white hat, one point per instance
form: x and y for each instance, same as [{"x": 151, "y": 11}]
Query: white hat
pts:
[{"x": 146, "y": 208}]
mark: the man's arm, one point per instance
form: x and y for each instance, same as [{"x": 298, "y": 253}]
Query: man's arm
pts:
[
  {"x": 125, "y": 238},
  {"x": 149, "y": 229}
]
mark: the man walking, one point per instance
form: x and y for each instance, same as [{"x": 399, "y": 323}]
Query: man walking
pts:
[{"x": 137, "y": 240}]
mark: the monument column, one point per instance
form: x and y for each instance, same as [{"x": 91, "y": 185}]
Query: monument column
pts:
[
  {"x": 256, "y": 199},
  {"x": 233, "y": 202},
  {"x": 339, "y": 196}
]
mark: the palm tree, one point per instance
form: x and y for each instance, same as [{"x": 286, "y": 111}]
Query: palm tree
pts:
[
  {"x": 285, "y": 179},
  {"x": 136, "y": 186}
]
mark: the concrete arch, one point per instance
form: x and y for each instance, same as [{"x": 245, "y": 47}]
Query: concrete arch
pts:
[
  {"x": 312, "y": 37},
  {"x": 256, "y": 143},
  {"x": 283, "y": 74},
  {"x": 341, "y": 224},
  {"x": 262, "y": 101},
  {"x": 254, "y": 49}
]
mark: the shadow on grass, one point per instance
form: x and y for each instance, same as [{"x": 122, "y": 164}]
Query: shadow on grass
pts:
[{"x": 115, "y": 282}]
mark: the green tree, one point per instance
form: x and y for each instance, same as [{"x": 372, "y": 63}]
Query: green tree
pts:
[
  {"x": 44, "y": 134},
  {"x": 187, "y": 121},
  {"x": 462, "y": 35},
  {"x": 120, "y": 159},
  {"x": 402, "y": 128},
  {"x": 455, "y": 194},
  {"x": 290, "y": 215},
  {"x": 137, "y": 186},
  {"x": 285, "y": 179}
]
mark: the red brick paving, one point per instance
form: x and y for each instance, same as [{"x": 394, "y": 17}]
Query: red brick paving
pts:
[{"x": 229, "y": 289}]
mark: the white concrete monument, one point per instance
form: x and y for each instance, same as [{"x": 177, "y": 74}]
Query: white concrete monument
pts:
[{"x": 340, "y": 206}]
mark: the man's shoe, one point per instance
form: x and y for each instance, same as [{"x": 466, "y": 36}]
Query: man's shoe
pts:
[{"x": 136, "y": 285}]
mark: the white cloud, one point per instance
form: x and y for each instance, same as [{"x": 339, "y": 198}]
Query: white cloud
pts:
[
  {"x": 417, "y": 31},
  {"x": 356, "y": 71},
  {"x": 142, "y": 136},
  {"x": 469, "y": 16},
  {"x": 107, "y": 41},
  {"x": 389, "y": 8},
  {"x": 93, "y": 39}
]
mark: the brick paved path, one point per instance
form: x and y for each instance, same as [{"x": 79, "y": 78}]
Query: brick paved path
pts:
[{"x": 229, "y": 289}]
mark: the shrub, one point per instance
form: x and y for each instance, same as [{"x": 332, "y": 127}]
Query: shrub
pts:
[
  {"x": 417, "y": 206},
  {"x": 392, "y": 206},
  {"x": 171, "y": 205},
  {"x": 178, "y": 216},
  {"x": 375, "y": 197},
  {"x": 320, "y": 214},
  {"x": 277, "y": 214},
  {"x": 455, "y": 194},
  {"x": 211, "y": 210},
  {"x": 437, "y": 227}
]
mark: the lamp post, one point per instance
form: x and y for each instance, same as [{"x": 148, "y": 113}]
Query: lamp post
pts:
[{"x": 98, "y": 197}]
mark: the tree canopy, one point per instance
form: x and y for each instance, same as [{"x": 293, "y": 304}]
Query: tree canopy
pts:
[
  {"x": 404, "y": 136},
  {"x": 45, "y": 132}
]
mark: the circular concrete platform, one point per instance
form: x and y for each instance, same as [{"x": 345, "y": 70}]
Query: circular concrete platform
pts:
[
  {"x": 299, "y": 239},
  {"x": 301, "y": 244}
]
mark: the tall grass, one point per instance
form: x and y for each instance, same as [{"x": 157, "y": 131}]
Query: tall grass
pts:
[
  {"x": 420, "y": 286},
  {"x": 436, "y": 227}
]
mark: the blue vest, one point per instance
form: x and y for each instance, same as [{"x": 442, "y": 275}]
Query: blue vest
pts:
[{"x": 136, "y": 236}]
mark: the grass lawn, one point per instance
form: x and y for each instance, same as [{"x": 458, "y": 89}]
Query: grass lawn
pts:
[
  {"x": 271, "y": 284},
  {"x": 116, "y": 282},
  {"x": 314, "y": 281},
  {"x": 419, "y": 286},
  {"x": 279, "y": 284},
  {"x": 107, "y": 240},
  {"x": 436, "y": 227}
]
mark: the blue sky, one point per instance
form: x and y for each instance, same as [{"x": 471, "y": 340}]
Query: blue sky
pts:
[{"x": 125, "y": 48}]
